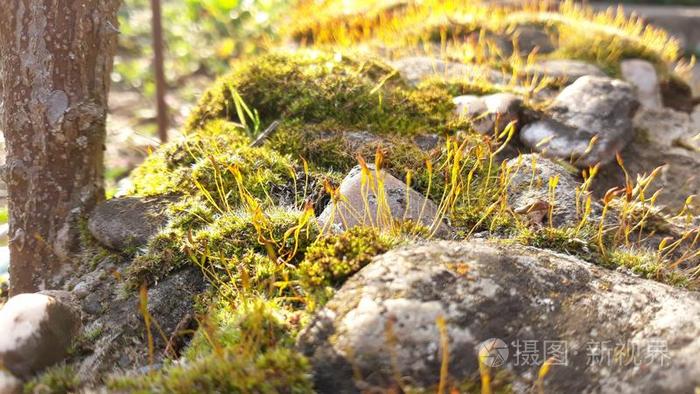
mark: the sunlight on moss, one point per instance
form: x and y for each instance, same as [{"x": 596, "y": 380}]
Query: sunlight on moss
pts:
[
  {"x": 314, "y": 86},
  {"x": 333, "y": 258}
]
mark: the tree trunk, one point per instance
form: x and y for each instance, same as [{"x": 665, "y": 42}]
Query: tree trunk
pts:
[
  {"x": 55, "y": 64},
  {"x": 159, "y": 68}
]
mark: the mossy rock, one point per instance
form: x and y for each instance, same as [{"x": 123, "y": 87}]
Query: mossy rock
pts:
[
  {"x": 316, "y": 86},
  {"x": 245, "y": 215}
]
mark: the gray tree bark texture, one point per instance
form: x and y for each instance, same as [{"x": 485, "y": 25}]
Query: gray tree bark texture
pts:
[{"x": 56, "y": 58}]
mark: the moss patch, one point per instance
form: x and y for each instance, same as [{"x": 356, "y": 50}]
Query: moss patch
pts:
[
  {"x": 333, "y": 258},
  {"x": 247, "y": 350},
  {"x": 315, "y": 86},
  {"x": 59, "y": 379}
]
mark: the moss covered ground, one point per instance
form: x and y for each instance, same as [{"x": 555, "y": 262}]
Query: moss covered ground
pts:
[{"x": 246, "y": 214}]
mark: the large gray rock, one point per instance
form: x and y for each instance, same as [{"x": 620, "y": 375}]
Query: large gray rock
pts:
[
  {"x": 383, "y": 323},
  {"x": 564, "y": 70},
  {"x": 642, "y": 75},
  {"x": 127, "y": 222},
  {"x": 397, "y": 202},
  {"x": 37, "y": 330},
  {"x": 489, "y": 114},
  {"x": 529, "y": 194},
  {"x": 590, "y": 107},
  {"x": 418, "y": 68}
]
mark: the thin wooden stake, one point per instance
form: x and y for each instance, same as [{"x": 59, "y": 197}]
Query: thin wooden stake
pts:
[{"x": 162, "y": 106}]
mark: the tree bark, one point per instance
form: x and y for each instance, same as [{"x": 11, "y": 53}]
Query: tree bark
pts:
[{"x": 55, "y": 63}]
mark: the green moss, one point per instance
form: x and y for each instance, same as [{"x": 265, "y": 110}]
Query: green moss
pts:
[
  {"x": 322, "y": 145},
  {"x": 642, "y": 262},
  {"x": 209, "y": 170},
  {"x": 191, "y": 213},
  {"x": 333, "y": 258},
  {"x": 235, "y": 232},
  {"x": 165, "y": 252},
  {"x": 228, "y": 236},
  {"x": 330, "y": 148},
  {"x": 83, "y": 345},
  {"x": 247, "y": 350},
  {"x": 645, "y": 263},
  {"x": 567, "y": 240},
  {"x": 251, "y": 272},
  {"x": 274, "y": 371},
  {"x": 259, "y": 323},
  {"x": 216, "y": 176},
  {"x": 168, "y": 170},
  {"x": 461, "y": 87},
  {"x": 59, "y": 379},
  {"x": 316, "y": 86}
]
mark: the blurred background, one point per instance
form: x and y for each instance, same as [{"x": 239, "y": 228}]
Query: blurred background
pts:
[{"x": 201, "y": 39}]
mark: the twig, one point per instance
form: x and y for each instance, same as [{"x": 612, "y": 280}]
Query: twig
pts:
[{"x": 265, "y": 134}]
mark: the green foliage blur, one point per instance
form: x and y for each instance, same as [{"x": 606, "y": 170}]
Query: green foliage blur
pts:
[{"x": 202, "y": 36}]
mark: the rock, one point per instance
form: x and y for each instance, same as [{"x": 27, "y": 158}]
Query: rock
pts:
[
  {"x": 524, "y": 39},
  {"x": 427, "y": 142},
  {"x": 10, "y": 384},
  {"x": 127, "y": 222},
  {"x": 663, "y": 138},
  {"x": 591, "y": 106},
  {"x": 528, "y": 191},
  {"x": 356, "y": 142},
  {"x": 81, "y": 290},
  {"x": 37, "y": 331},
  {"x": 677, "y": 94},
  {"x": 490, "y": 113},
  {"x": 384, "y": 323},
  {"x": 351, "y": 210},
  {"x": 531, "y": 38},
  {"x": 91, "y": 304},
  {"x": 473, "y": 107},
  {"x": 565, "y": 70},
  {"x": 117, "y": 329},
  {"x": 418, "y": 68},
  {"x": 642, "y": 74}
]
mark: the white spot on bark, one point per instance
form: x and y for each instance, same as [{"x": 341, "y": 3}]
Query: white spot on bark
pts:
[
  {"x": 57, "y": 104},
  {"x": 18, "y": 238},
  {"x": 82, "y": 141}
]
